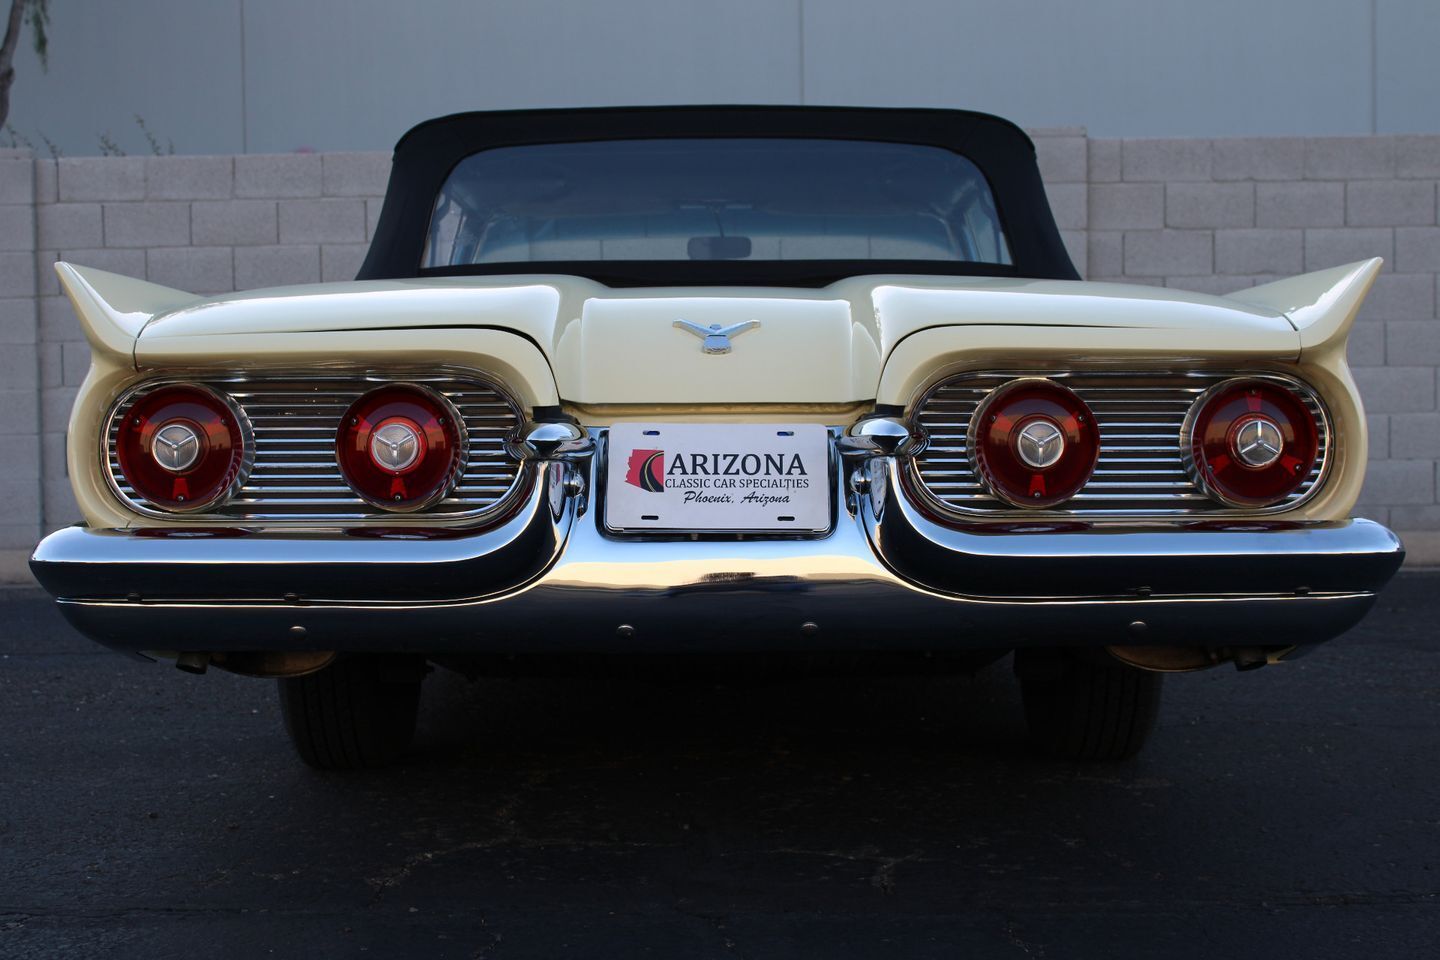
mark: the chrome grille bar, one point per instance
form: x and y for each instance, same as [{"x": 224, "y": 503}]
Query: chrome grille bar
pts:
[
  {"x": 1140, "y": 471},
  {"x": 295, "y": 478}
]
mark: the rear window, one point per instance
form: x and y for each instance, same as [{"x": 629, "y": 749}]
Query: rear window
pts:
[{"x": 714, "y": 199}]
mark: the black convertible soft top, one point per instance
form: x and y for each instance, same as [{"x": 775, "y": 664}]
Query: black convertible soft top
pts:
[{"x": 426, "y": 155}]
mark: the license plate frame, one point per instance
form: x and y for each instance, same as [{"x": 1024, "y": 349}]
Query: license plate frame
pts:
[{"x": 765, "y": 479}]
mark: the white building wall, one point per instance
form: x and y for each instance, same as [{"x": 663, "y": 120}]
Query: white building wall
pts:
[{"x": 258, "y": 76}]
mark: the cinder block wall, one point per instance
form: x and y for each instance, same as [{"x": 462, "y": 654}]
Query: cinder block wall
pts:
[
  {"x": 1208, "y": 215},
  {"x": 20, "y": 466}
]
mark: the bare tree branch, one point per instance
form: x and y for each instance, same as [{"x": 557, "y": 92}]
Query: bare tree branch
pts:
[
  {"x": 7, "y": 55},
  {"x": 36, "y": 15},
  {"x": 38, "y": 19}
]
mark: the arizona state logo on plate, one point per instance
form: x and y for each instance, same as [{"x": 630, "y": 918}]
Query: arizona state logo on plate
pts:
[{"x": 646, "y": 470}]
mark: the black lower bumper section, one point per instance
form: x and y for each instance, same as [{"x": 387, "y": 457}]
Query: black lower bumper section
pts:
[{"x": 742, "y": 620}]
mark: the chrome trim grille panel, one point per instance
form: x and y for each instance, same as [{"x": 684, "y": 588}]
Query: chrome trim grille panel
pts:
[
  {"x": 295, "y": 477},
  {"x": 1140, "y": 471}
]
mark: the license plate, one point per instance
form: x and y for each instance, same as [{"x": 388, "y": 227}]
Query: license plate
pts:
[{"x": 729, "y": 476}]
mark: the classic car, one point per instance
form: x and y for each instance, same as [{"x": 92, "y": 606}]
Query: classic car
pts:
[{"x": 659, "y": 384}]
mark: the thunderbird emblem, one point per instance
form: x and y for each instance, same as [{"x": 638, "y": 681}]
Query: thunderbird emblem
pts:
[{"x": 715, "y": 338}]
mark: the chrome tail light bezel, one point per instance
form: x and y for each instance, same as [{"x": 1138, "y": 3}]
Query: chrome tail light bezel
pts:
[
  {"x": 1201, "y": 474},
  {"x": 1069, "y": 407},
  {"x": 449, "y": 421},
  {"x": 241, "y": 467}
]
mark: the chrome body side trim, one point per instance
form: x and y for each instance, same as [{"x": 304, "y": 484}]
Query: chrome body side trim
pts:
[{"x": 885, "y": 578}]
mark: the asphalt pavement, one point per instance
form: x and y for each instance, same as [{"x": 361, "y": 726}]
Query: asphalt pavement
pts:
[{"x": 1289, "y": 812}]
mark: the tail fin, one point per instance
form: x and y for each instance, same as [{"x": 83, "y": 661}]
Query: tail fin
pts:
[
  {"x": 113, "y": 309},
  {"x": 1322, "y": 305}
]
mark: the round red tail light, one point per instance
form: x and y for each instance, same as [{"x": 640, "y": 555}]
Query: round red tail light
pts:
[
  {"x": 1034, "y": 443},
  {"x": 1250, "y": 443},
  {"x": 183, "y": 447},
  {"x": 401, "y": 447}
]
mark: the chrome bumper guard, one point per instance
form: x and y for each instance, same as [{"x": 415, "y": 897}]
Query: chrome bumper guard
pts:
[{"x": 886, "y": 578}]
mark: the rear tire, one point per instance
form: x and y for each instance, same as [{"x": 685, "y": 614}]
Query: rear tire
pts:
[
  {"x": 357, "y": 713},
  {"x": 1085, "y": 705}
]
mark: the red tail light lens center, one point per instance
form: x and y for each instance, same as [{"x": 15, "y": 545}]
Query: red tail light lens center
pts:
[
  {"x": 1039, "y": 442},
  {"x": 179, "y": 445},
  {"x": 397, "y": 445},
  {"x": 1256, "y": 441}
]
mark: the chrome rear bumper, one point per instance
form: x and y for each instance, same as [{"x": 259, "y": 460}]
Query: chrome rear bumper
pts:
[{"x": 885, "y": 578}]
